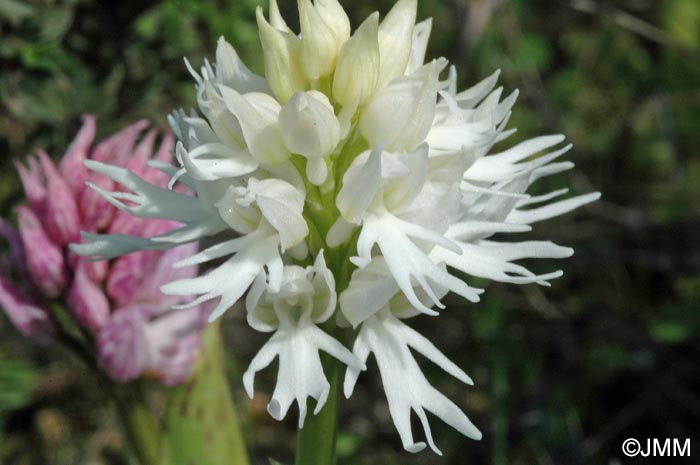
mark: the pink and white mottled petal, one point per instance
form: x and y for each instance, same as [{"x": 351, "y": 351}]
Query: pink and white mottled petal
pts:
[
  {"x": 164, "y": 272},
  {"x": 29, "y": 318},
  {"x": 61, "y": 218},
  {"x": 87, "y": 302},
  {"x": 137, "y": 162},
  {"x": 122, "y": 345},
  {"x": 45, "y": 262},
  {"x": 34, "y": 184},
  {"x": 95, "y": 211},
  {"x": 128, "y": 275},
  {"x": 72, "y": 166}
]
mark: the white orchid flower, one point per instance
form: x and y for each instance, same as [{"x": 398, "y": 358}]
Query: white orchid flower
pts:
[
  {"x": 305, "y": 299},
  {"x": 355, "y": 149},
  {"x": 406, "y": 388}
]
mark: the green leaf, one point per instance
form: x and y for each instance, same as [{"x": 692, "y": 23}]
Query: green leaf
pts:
[
  {"x": 670, "y": 332},
  {"x": 15, "y": 11},
  {"x": 201, "y": 419},
  {"x": 16, "y": 381},
  {"x": 43, "y": 55},
  {"x": 55, "y": 23},
  {"x": 682, "y": 21}
]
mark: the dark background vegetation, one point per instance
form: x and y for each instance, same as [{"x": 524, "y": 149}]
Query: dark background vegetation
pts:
[{"x": 563, "y": 375}]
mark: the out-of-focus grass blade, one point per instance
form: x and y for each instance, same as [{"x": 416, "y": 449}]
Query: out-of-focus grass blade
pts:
[{"x": 17, "y": 379}]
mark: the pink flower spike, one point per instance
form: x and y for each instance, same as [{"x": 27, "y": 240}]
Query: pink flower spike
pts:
[
  {"x": 126, "y": 223},
  {"x": 137, "y": 163},
  {"x": 122, "y": 345},
  {"x": 164, "y": 272},
  {"x": 96, "y": 270},
  {"x": 155, "y": 227},
  {"x": 167, "y": 146},
  {"x": 103, "y": 150},
  {"x": 175, "y": 368},
  {"x": 45, "y": 260},
  {"x": 147, "y": 310},
  {"x": 118, "y": 146},
  {"x": 29, "y": 319},
  {"x": 127, "y": 139},
  {"x": 62, "y": 220},
  {"x": 33, "y": 183},
  {"x": 124, "y": 142},
  {"x": 94, "y": 209},
  {"x": 165, "y": 155},
  {"x": 175, "y": 339},
  {"x": 86, "y": 302},
  {"x": 18, "y": 258},
  {"x": 72, "y": 167},
  {"x": 129, "y": 274}
]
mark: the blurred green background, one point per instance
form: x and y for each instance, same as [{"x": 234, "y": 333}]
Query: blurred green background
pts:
[{"x": 563, "y": 375}]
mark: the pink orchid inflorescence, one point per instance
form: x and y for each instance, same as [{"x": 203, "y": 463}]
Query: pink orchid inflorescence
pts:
[{"x": 117, "y": 303}]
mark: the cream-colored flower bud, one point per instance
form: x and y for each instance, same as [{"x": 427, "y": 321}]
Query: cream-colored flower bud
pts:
[
  {"x": 318, "y": 44},
  {"x": 276, "y": 18},
  {"x": 395, "y": 37},
  {"x": 335, "y": 17},
  {"x": 232, "y": 72},
  {"x": 308, "y": 124},
  {"x": 281, "y": 56},
  {"x": 257, "y": 115},
  {"x": 357, "y": 69},
  {"x": 310, "y": 128},
  {"x": 400, "y": 115},
  {"x": 421, "y": 34}
]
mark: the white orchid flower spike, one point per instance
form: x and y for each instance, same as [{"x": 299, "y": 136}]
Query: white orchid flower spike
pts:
[{"x": 346, "y": 191}]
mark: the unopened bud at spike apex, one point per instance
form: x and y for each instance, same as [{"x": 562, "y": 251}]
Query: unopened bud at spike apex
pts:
[
  {"x": 335, "y": 18},
  {"x": 357, "y": 69},
  {"x": 359, "y": 189},
  {"x": 318, "y": 45},
  {"x": 281, "y": 54},
  {"x": 395, "y": 37}
]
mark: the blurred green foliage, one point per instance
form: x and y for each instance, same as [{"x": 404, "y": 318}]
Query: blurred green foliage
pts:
[
  {"x": 17, "y": 379},
  {"x": 564, "y": 374}
]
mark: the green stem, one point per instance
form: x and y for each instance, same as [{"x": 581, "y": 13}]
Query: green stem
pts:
[
  {"x": 141, "y": 429},
  {"x": 316, "y": 441}
]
